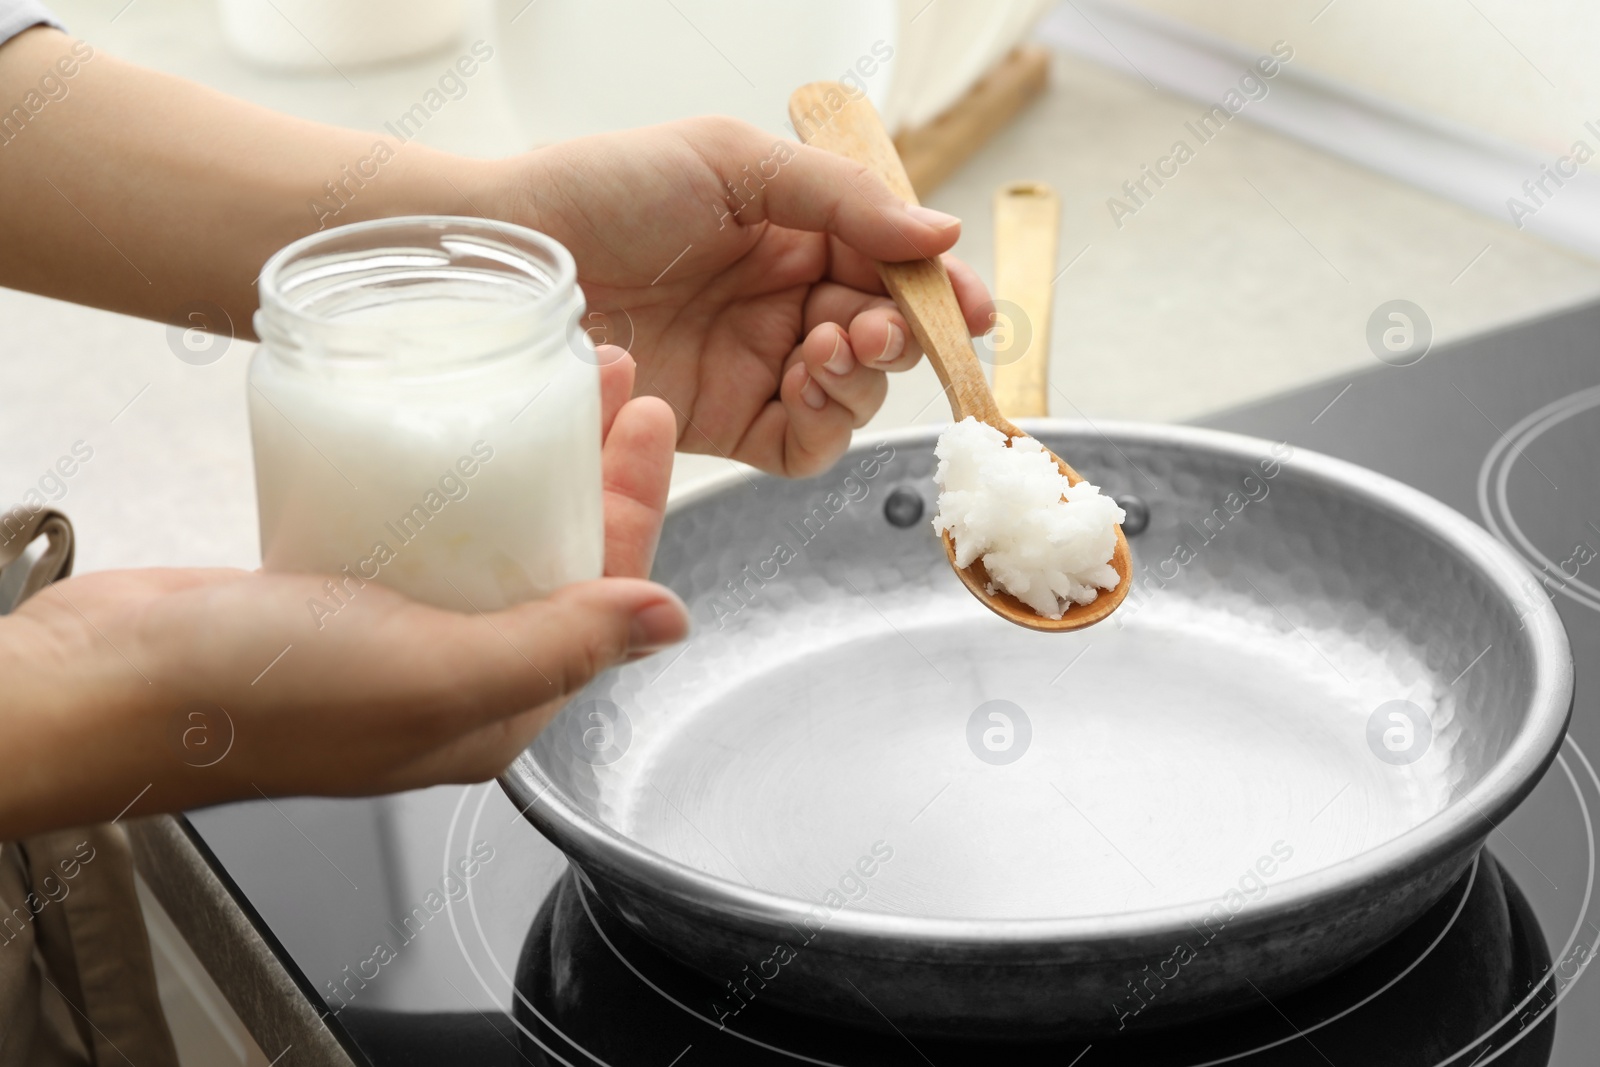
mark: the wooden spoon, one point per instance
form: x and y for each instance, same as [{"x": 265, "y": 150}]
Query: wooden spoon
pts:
[{"x": 826, "y": 115}]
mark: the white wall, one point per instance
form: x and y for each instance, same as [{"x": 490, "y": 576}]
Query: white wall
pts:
[{"x": 1521, "y": 70}]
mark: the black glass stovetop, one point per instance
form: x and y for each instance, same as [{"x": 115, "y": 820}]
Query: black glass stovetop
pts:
[{"x": 439, "y": 927}]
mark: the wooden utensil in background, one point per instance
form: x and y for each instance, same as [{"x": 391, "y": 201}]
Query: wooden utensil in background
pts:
[{"x": 1026, "y": 218}]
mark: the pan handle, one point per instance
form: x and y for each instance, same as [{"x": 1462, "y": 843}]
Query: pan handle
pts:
[{"x": 1027, "y": 216}]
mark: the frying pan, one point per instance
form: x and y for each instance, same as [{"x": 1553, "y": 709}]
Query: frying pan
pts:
[
  {"x": 856, "y": 793},
  {"x": 1206, "y": 793}
]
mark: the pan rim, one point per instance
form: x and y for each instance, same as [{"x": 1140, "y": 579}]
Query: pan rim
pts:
[{"x": 1459, "y": 827}]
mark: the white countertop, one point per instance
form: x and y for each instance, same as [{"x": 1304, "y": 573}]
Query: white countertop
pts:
[{"x": 1253, "y": 271}]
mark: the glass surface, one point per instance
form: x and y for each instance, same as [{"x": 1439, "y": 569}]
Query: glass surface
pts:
[{"x": 425, "y": 413}]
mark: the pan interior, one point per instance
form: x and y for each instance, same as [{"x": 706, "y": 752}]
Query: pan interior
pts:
[
  {"x": 830, "y": 733},
  {"x": 1163, "y": 766}
]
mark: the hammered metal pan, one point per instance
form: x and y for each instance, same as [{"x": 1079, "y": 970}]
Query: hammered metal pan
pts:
[{"x": 856, "y": 793}]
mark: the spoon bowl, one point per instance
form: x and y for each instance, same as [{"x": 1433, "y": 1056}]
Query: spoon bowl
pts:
[
  {"x": 1077, "y": 616},
  {"x": 925, "y": 296}
]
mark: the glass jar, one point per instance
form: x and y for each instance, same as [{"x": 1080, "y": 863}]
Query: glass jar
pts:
[{"x": 425, "y": 413}]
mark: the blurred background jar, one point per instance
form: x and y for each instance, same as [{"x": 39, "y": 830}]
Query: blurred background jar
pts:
[
  {"x": 425, "y": 413},
  {"x": 311, "y": 34},
  {"x": 576, "y": 67}
]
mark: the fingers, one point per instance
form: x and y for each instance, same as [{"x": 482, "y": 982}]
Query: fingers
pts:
[
  {"x": 824, "y": 394},
  {"x": 850, "y": 270},
  {"x": 977, "y": 306},
  {"x": 636, "y": 465},
  {"x": 849, "y": 267},
  {"x": 884, "y": 340},
  {"x": 543, "y": 652},
  {"x": 636, "y": 471},
  {"x": 616, "y": 383},
  {"x": 816, "y": 429},
  {"x": 878, "y": 332},
  {"x": 835, "y": 377}
]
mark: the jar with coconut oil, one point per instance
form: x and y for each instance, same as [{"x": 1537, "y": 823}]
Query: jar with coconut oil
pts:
[{"x": 425, "y": 413}]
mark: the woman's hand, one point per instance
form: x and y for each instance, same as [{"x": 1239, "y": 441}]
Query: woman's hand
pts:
[
  {"x": 737, "y": 268},
  {"x": 735, "y": 265},
  {"x": 107, "y": 677}
]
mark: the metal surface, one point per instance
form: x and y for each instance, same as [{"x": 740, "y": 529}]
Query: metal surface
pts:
[{"x": 1206, "y": 785}]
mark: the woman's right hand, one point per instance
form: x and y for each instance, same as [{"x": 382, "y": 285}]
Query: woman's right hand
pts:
[{"x": 104, "y": 673}]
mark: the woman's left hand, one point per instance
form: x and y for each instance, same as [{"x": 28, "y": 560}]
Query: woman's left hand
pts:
[{"x": 738, "y": 269}]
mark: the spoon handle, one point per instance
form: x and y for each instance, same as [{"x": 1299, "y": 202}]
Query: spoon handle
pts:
[
  {"x": 1026, "y": 218},
  {"x": 826, "y": 115}
]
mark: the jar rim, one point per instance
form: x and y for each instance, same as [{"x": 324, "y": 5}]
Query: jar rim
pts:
[{"x": 275, "y": 299}]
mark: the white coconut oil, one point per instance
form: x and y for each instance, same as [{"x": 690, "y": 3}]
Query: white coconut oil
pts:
[
  {"x": 426, "y": 413},
  {"x": 1047, "y": 543}
]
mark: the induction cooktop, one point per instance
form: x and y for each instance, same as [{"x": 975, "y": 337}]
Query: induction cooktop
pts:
[{"x": 439, "y": 927}]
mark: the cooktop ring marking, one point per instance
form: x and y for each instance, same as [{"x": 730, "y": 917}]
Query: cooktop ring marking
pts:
[{"x": 1497, "y": 466}]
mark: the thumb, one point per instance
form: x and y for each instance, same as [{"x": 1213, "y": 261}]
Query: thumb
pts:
[
  {"x": 819, "y": 190},
  {"x": 556, "y": 645},
  {"x": 816, "y": 190}
]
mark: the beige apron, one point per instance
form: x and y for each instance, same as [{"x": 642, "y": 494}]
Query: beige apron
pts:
[{"x": 77, "y": 985}]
